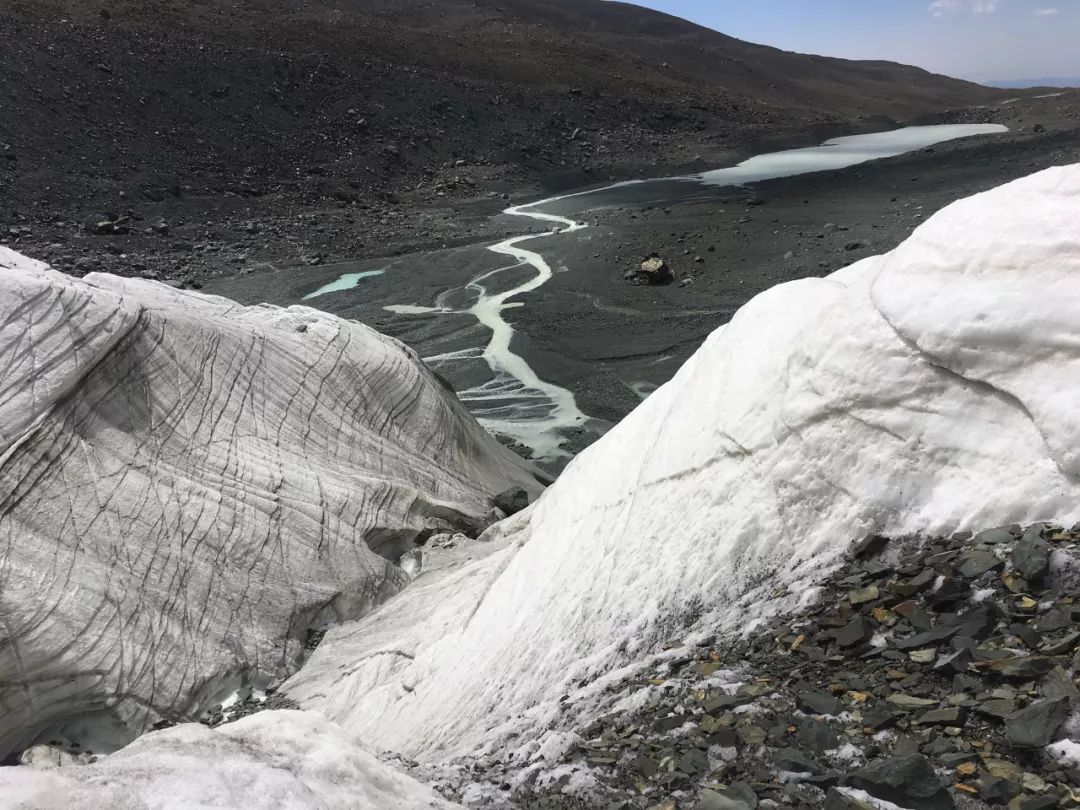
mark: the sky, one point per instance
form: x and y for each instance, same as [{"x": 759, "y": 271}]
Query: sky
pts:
[{"x": 971, "y": 39}]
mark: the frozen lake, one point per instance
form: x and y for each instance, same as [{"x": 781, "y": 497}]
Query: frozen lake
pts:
[{"x": 839, "y": 153}]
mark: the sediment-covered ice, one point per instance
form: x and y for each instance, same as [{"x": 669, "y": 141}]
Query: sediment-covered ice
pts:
[
  {"x": 931, "y": 389},
  {"x": 272, "y": 759},
  {"x": 187, "y": 486}
]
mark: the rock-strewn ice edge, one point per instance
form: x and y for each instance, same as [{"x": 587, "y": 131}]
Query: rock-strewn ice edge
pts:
[
  {"x": 188, "y": 485},
  {"x": 927, "y": 390},
  {"x": 931, "y": 389}
]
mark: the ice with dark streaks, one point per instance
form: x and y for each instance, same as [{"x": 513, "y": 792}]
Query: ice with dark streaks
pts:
[{"x": 188, "y": 486}]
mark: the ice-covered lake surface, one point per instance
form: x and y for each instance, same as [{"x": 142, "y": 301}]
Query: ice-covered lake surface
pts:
[{"x": 839, "y": 153}]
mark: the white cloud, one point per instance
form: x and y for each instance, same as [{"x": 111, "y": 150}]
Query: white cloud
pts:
[
  {"x": 941, "y": 7},
  {"x": 1045, "y": 12}
]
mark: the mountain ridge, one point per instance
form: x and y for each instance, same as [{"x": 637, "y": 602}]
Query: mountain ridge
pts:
[{"x": 330, "y": 102}]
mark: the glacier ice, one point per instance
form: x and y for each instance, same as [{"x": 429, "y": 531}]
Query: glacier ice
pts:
[
  {"x": 189, "y": 485},
  {"x": 931, "y": 389},
  {"x": 924, "y": 390},
  {"x": 273, "y": 759}
]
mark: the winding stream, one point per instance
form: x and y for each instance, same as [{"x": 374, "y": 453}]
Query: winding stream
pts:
[{"x": 515, "y": 402}]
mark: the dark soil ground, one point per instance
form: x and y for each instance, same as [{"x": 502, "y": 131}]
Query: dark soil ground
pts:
[{"x": 182, "y": 140}]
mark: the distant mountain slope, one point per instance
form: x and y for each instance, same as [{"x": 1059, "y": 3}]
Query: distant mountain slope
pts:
[
  {"x": 553, "y": 42},
  {"x": 1022, "y": 84},
  {"x": 350, "y": 100}
]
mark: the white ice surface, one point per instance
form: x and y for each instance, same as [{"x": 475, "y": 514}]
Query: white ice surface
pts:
[
  {"x": 925, "y": 390},
  {"x": 281, "y": 760},
  {"x": 188, "y": 485}
]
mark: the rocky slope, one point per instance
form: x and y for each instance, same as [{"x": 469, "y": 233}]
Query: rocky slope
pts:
[
  {"x": 189, "y": 487},
  {"x": 927, "y": 672},
  {"x": 154, "y": 134}
]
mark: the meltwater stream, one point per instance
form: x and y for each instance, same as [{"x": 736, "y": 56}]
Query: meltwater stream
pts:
[{"x": 515, "y": 402}]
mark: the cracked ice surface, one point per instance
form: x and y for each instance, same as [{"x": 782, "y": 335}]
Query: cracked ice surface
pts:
[
  {"x": 187, "y": 485},
  {"x": 932, "y": 389},
  {"x": 271, "y": 759}
]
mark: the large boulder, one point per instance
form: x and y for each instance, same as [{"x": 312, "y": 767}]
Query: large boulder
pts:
[
  {"x": 511, "y": 501},
  {"x": 653, "y": 270},
  {"x": 189, "y": 487},
  {"x": 931, "y": 389}
]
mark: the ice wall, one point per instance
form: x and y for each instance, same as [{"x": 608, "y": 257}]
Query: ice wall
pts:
[
  {"x": 187, "y": 486},
  {"x": 931, "y": 389}
]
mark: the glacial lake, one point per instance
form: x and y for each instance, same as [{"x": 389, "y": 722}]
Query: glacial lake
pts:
[
  {"x": 839, "y": 153},
  {"x": 345, "y": 282}
]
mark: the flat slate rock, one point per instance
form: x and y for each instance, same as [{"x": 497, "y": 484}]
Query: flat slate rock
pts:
[
  {"x": 813, "y": 701},
  {"x": 1023, "y": 667},
  {"x": 1003, "y": 534},
  {"x": 737, "y": 796},
  {"x": 1031, "y": 558},
  {"x": 909, "y": 781},
  {"x": 976, "y": 563},
  {"x": 870, "y": 545},
  {"x": 1037, "y": 725},
  {"x": 857, "y": 631},
  {"x": 795, "y": 761}
]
